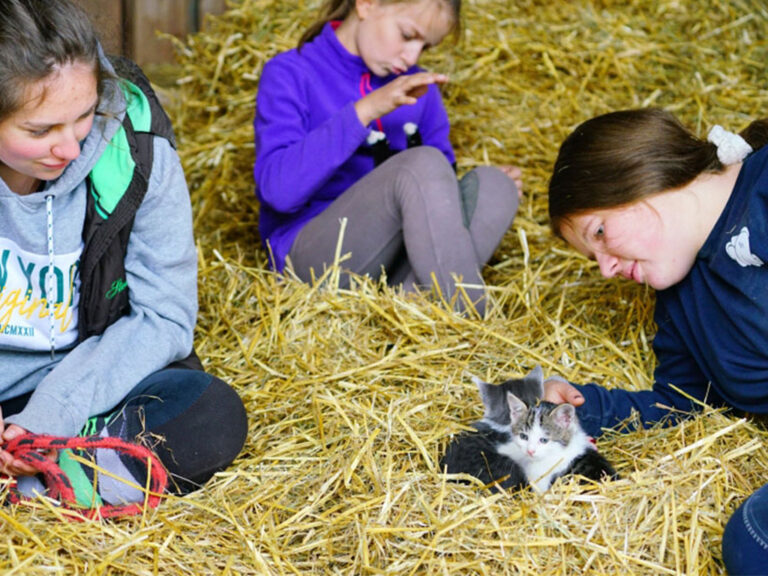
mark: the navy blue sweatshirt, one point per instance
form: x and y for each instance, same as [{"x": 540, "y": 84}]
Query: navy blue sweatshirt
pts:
[{"x": 712, "y": 338}]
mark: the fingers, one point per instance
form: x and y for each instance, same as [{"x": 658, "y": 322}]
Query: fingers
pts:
[
  {"x": 6, "y": 460},
  {"x": 14, "y": 466},
  {"x": 423, "y": 78},
  {"x": 20, "y": 468},
  {"x": 513, "y": 172},
  {"x": 559, "y": 391},
  {"x": 516, "y": 174},
  {"x": 574, "y": 397},
  {"x": 11, "y": 466},
  {"x": 13, "y": 431},
  {"x": 519, "y": 186},
  {"x": 416, "y": 85},
  {"x": 403, "y": 90}
]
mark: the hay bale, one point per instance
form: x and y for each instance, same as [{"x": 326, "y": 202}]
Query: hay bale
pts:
[{"x": 353, "y": 394}]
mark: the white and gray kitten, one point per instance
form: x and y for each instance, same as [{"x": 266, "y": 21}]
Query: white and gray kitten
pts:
[{"x": 547, "y": 442}]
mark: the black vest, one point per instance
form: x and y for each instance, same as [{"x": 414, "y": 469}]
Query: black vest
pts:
[{"x": 116, "y": 188}]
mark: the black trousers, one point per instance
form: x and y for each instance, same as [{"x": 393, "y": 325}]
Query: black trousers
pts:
[{"x": 194, "y": 422}]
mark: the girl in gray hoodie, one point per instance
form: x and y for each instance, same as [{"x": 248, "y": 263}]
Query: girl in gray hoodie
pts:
[{"x": 98, "y": 271}]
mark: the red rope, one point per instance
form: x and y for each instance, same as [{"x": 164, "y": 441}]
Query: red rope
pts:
[{"x": 28, "y": 446}]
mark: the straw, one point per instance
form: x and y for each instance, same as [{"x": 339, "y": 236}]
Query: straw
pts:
[{"x": 353, "y": 394}]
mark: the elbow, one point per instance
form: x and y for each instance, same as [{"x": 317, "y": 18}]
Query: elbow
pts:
[{"x": 270, "y": 194}]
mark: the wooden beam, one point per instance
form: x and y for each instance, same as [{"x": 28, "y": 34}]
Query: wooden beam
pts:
[
  {"x": 148, "y": 17},
  {"x": 107, "y": 16}
]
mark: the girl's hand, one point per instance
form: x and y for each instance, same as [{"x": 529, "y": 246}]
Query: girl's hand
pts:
[
  {"x": 516, "y": 175},
  {"x": 558, "y": 391},
  {"x": 406, "y": 89},
  {"x": 13, "y": 466}
]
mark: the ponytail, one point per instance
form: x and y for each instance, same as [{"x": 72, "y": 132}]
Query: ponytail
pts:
[
  {"x": 756, "y": 134},
  {"x": 333, "y": 10}
]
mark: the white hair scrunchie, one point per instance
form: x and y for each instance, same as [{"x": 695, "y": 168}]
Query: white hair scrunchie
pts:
[{"x": 731, "y": 148}]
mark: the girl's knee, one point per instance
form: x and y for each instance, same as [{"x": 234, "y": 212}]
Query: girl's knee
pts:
[
  {"x": 424, "y": 174},
  {"x": 494, "y": 182},
  {"x": 426, "y": 160},
  {"x": 205, "y": 438},
  {"x": 489, "y": 197}
]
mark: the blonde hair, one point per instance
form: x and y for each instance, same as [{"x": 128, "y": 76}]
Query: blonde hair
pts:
[{"x": 340, "y": 9}]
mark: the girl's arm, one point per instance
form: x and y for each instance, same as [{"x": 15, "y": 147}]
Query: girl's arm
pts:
[
  {"x": 161, "y": 271},
  {"x": 292, "y": 161},
  {"x": 605, "y": 409},
  {"x": 434, "y": 126},
  {"x": 676, "y": 378}
]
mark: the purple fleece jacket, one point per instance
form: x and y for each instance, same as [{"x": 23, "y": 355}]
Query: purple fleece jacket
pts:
[{"x": 310, "y": 144}]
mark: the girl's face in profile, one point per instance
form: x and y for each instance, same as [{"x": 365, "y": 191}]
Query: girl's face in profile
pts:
[
  {"x": 647, "y": 241},
  {"x": 391, "y": 36},
  {"x": 38, "y": 141}
]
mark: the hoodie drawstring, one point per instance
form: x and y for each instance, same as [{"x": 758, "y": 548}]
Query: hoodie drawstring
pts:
[
  {"x": 50, "y": 277},
  {"x": 365, "y": 89}
]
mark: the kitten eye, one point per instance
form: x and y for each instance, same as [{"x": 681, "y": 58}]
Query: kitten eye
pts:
[
  {"x": 543, "y": 440},
  {"x": 523, "y": 436}
]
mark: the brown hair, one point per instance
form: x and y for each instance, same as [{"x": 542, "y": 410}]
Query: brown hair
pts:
[
  {"x": 36, "y": 38},
  {"x": 622, "y": 157},
  {"x": 340, "y": 9}
]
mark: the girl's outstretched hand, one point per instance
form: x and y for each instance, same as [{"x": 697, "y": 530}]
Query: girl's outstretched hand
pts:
[
  {"x": 405, "y": 89},
  {"x": 558, "y": 391},
  {"x": 516, "y": 175}
]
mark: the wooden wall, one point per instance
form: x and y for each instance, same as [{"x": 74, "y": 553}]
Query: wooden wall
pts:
[{"x": 130, "y": 27}]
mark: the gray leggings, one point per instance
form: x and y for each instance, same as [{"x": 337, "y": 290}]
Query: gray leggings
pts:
[{"x": 412, "y": 218}]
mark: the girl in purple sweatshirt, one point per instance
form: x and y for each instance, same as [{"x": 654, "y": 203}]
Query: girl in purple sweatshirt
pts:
[{"x": 352, "y": 146}]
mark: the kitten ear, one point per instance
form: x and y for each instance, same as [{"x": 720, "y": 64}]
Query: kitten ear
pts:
[
  {"x": 563, "y": 415},
  {"x": 478, "y": 381},
  {"x": 493, "y": 400},
  {"x": 484, "y": 389},
  {"x": 517, "y": 408},
  {"x": 536, "y": 378}
]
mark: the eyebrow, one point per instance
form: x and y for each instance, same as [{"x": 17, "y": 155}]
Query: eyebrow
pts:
[
  {"x": 413, "y": 29},
  {"x": 581, "y": 236},
  {"x": 585, "y": 239},
  {"x": 35, "y": 125}
]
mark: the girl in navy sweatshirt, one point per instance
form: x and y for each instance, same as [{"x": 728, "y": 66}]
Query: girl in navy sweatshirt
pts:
[
  {"x": 347, "y": 127},
  {"x": 649, "y": 201}
]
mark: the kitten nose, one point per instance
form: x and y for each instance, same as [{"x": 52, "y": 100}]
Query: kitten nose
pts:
[{"x": 531, "y": 451}]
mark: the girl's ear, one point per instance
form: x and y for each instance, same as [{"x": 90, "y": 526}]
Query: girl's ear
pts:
[{"x": 364, "y": 7}]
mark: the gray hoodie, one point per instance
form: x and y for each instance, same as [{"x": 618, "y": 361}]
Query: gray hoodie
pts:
[{"x": 92, "y": 377}]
